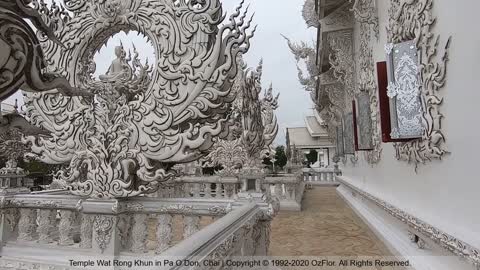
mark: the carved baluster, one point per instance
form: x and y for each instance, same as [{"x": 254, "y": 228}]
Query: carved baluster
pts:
[
  {"x": 164, "y": 233},
  {"x": 65, "y": 228},
  {"x": 188, "y": 190},
  {"x": 228, "y": 190},
  {"x": 208, "y": 190},
  {"x": 218, "y": 190},
  {"x": 45, "y": 225},
  {"x": 191, "y": 225},
  {"x": 177, "y": 191},
  {"x": 27, "y": 224},
  {"x": 123, "y": 227},
  {"x": 196, "y": 190},
  {"x": 86, "y": 231},
  {"x": 290, "y": 190},
  {"x": 139, "y": 233},
  {"x": 278, "y": 191}
]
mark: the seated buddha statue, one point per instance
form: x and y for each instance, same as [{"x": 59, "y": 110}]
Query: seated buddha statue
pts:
[{"x": 119, "y": 69}]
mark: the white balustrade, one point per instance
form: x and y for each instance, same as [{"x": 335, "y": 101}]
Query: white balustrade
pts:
[
  {"x": 76, "y": 227},
  {"x": 321, "y": 176},
  {"x": 288, "y": 188},
  {"x": 208, "y": 186}
]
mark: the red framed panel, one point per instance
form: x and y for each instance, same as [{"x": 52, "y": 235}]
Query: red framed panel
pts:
[{"x": 384, "y": 102}]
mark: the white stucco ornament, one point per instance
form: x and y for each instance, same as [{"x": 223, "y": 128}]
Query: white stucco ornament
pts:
[
  {"x": 254, "y": 127},
  {"x": 144, "y": 115}
]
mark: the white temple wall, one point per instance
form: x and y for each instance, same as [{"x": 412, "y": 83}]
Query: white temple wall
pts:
[{"x": 443, "y": 193}]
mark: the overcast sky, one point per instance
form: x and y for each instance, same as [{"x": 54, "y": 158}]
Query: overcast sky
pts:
[{"x": 273, "y": 17}]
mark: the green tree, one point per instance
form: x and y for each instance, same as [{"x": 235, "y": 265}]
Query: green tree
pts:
[
  {"x": 312, "y": 156},
  {"x": 280, "y": 156}
]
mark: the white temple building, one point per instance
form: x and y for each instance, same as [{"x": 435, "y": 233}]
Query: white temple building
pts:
[{"x": 313, "y": 136}]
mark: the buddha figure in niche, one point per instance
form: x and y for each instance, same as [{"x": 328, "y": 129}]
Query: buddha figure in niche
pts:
[{"x": 119, "y": 69}]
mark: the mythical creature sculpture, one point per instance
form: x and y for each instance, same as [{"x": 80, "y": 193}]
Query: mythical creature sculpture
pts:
[
  {"x": 307, "y": 54},
  {"x": 122, "y": 143},
  {"x": 255, "y": 126},
  {"x": 21, "y": 59}
]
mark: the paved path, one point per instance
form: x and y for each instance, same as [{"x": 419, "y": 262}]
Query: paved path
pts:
[{"x": 327, "y": 226}]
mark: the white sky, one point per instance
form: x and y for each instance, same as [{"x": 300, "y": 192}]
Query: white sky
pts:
[{"x": 273, "y": 17}]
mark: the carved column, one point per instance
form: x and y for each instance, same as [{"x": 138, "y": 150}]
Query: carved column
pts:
[
  {"x": 191, "y": 225},
  {"x": 27, "y": 224},
  {"x": 164, "y": 233},
  {"x": 65, "y": 228},
  {"x": 45, "y": 225},
  {"x": 139, "y": 233},
  {"x": 86, "y": 231}
]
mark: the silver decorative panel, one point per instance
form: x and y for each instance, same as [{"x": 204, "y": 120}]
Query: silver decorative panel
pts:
[
  {"x": 404, "y": 90},
  {"x": 348, "y": 142},
  {"x": 340, "y": 148},
  {"x": 364, "y": 122}
]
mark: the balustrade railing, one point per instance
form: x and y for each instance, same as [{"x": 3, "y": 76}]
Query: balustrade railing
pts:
[
  {"x": 321, "y": 176},
  {"x": 244, "y": 232},
  {"x": 56, "y": 228},
  {"x": 288, "y": 188},
  {"x": 207, "y": 187}
]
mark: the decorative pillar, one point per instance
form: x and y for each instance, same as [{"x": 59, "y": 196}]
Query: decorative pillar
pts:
[
  {"x": 164, "y": 233},
  {"x": 139, "y": 233},
  {"x": 191, "y": 225},
  {"x": 86, "y": 231},
  {"x": 65, "y": 228},
  {"x": 46, "y": 223},
  {"x": 27, "y": 224}
]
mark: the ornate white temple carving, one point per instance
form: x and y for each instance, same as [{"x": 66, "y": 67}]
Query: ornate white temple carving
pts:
[
  {"x": 142, "y": 116},
  {"x": 414, "y": 20},
  {"x": 253, "y": 130}
]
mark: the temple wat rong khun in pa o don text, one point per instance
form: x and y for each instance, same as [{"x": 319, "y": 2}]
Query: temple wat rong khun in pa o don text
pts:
[{"x": 173, "y": 159}]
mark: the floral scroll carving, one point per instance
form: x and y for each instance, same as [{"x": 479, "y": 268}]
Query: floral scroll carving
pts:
[
  {"x": 413, "y": 20},
  {"x": 103, "y": 226},
  {"x": 119, "y": 144},
  {"x": 253, "y": 130},
  {"x": 366, "y": 15}
]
